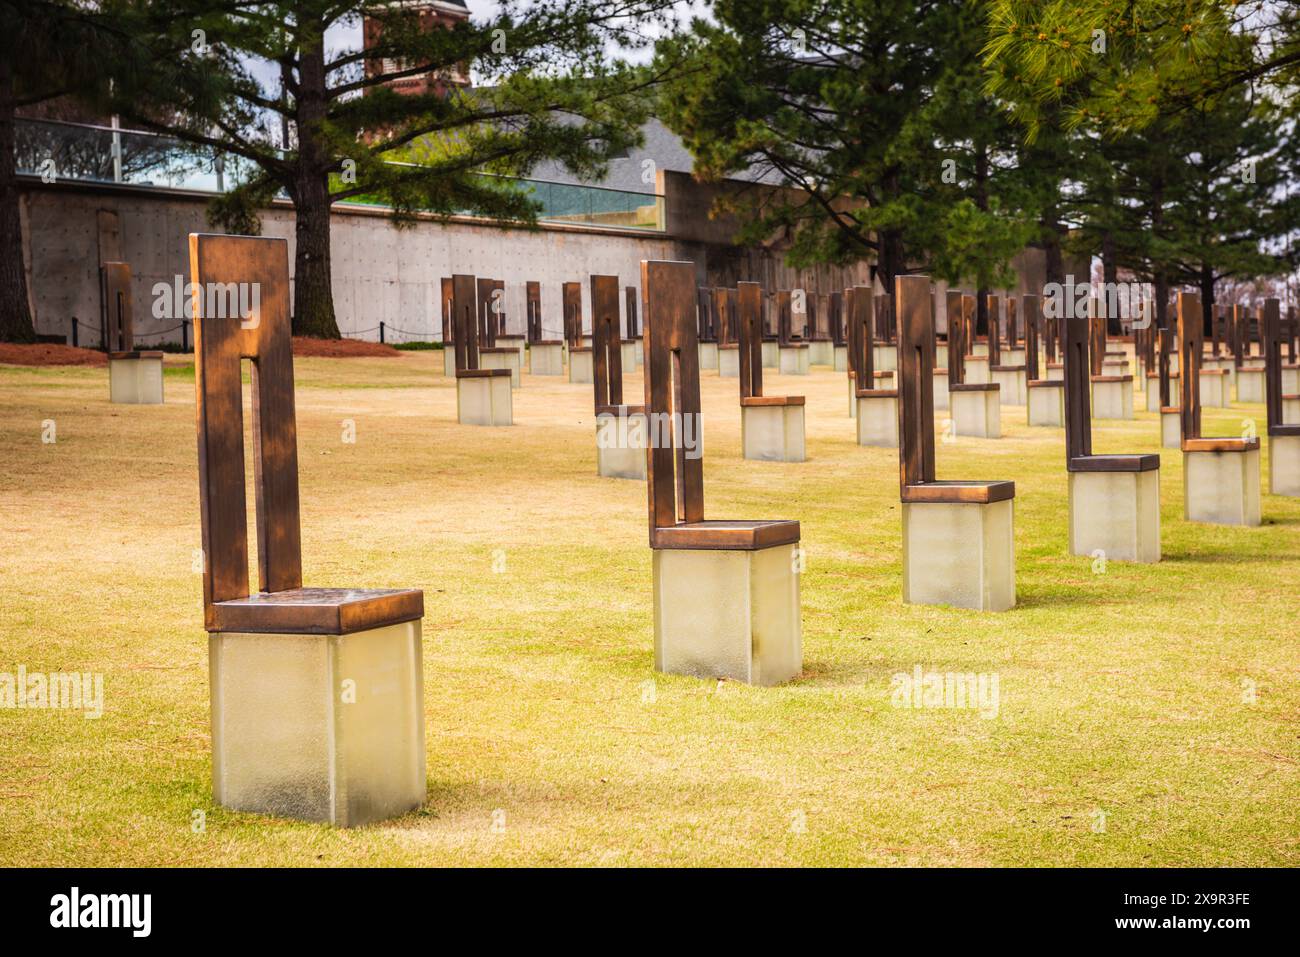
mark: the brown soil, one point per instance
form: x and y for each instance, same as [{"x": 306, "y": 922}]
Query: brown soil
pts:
[
  {"x": 49, "y": 354},
  {"x": 341, "y": 348}
]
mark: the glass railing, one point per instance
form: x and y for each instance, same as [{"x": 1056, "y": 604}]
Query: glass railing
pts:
[{"x": 54, "y": 151}]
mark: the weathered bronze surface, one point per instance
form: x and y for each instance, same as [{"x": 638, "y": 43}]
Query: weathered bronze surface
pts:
[
  {"x": 117, "y": 314},
  {"x": 706, "y": 329},
  {"x": 448, "y": 324},
  {"x": 607, "y": 358},
  {"x": 1191, "y": 342},
  {"x": 465, "y": 322},
  {"x": 1164, "y": 349},
  {"x": 749, "y": 319},
  {"x": 675, "y": 480},
  {"x": 533, "y": 310},
  {"x": 220, "y": 346},
  {"x": 633, "y": 322},
  {"x": 1237, "y": 334},
  {"x": 571, "y": 297},
  {"x": 1032, "y": 317},
  {"x": 859, "y": 303},
  {"x": 956, "y": 338}
]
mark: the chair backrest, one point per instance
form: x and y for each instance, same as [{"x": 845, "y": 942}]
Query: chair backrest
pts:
[
  {"x": 835, "y": 310},
  {"x": 1030, "y": 317},
  {"x": 956, "y": 337},
  {"x": 118, "y": 311},
  {"x": 1191, "y": 340},
  {"x": 465, "y": 321},
  {"x": 533, "y": 310},
  {"x": 633, "y": 323},
  {"x": 705, "y": 319},
  {"x": 1097, "y": 328},
  {"x": 912, "y": 300},
  {"x": 784, "y": 317},
  {"x": 448, "y": 325},
  {"x": 261, "y": 334},
  {"x": 571, "y": 296},
  {"x": 486, "y": 304},
  {"x": 749, "y": 325},
  {"x": 1013, "y": 334},
  {"x": 1238, "y": 334},
  {"x": 860, "y": 305},
  {"x": 1079, "y": 339},
  {"x": 724, "y": 306},
  {"x": 607, "y": 345},
  {"x": 994, "y": 302},
  {"x": 1271, "y": 339},
  {"x": 672, "y": 392}
]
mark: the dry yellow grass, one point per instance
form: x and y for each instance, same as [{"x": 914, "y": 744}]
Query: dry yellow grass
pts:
[{"x": 1121, "y": 693}]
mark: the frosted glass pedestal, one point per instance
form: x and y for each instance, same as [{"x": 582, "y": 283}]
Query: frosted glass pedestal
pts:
[
  {"x": 771, "y": 432},
  {"x": 884, "y": 357},
  {"x": 484, "y": 399},
  {"x": 1112, "y": 397},
  {"x": 1116, "y": 513},
  {"x": 977, "y": 370},
  {"x": 640, "y": 351},
  {"x": 821, "y": 352},
  {"x": 729, "y": 361},
  {"x": 708, "y": 355},
  {"x": 960, "y": 553},
  {"x": 621, "y": 445},
  {"x": 326, "y": 728},
  {"x": 505, "y": 357},
  {"x": 941, "y": 403},
  {"x": 546, "y": 358},
  {"x": 1214, "y": 389},
  {"x": 1250, "y": 385},
  {"x": 135, "y": 378},
  {"x": 975, "y": 413},
  {"x": 841, "y": 359},
  {"x": 1290, "y": 379},
  {"x": 723, "y": 613},
  {"x": 1013, "y": 357},
  {"x": 1153, "y": 390},
  {"x": 580, "y": 366},
  {"x": 1011, "y": 382},
  {"x": 771, "y": 354},
  {"x": 519, "y": 344},
  {"x": 627, "y": 356},
  {"x": 1046, "y": 403},
  {"x": 794, "y": 360},
  {"x": 878, "y": 419},
  {"x": 1284, "y": 465},
  {"x": 1171, "y": 429},
  {"x": 940, "y": 355},
  {"x": 449, "y": 360},
  {"x": 1291, "y": 410},
  {"x": 1222, "y": 487}
]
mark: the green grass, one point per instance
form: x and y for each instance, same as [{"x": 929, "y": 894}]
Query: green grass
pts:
[{"x": 1121, "y": 692}]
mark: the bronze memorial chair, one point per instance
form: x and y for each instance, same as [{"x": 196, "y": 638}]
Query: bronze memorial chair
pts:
[
  {"x": 1114, "y": 499},
  {"x": 620, "y": 428},
  {"x": 280, "y": 745},
  {"x": 952, "y": 554},
  {"x": 718, "y": 585},
  {"x": 1283, "y": 436},
  {"x": 135, "y": 376},
  {"x": 771, "y": 426},
  {"x": 1220, "y": 475}
]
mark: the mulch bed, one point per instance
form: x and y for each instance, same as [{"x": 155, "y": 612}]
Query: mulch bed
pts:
[
  {"x": 50, "y": 354},
  {"x": 342, "y": 348}
]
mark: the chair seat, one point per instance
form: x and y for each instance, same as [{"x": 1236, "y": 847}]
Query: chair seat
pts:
[
  {"x": 876, "y": 393},
  {"x": 1220, "y": 445},
  {"x": 317, "y": 611},
  {"x": 743, "y": 536},
  {"x": 975, "y": 387},
  {"x": 959, "y": 493},
  {"x": 1112, "y": 378},
  {"x": 1144, "y": 462},
  {"x": 794, "y": 345},
  {"x": 754, "y": 401},
  {"x": 1170, "y": 408},
  {"x": 1006, "y": 368},
  {"x": 1046, "y": 383},
  {"x": 481, "y": 373},
  {"x": 620, "y": 410},
  {"x": 136, "y": 354},
  {"x": 1288, "y": 428}
]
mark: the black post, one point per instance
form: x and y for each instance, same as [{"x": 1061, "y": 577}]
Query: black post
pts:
[
  {"x": 74, "y": 330},
  {"x": 185, "y": 336},
  {"x": 381, "y": 332}
]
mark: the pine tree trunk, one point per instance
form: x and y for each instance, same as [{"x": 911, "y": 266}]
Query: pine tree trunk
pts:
[
  {"x": 313, "y": 306},
  {"x": 15, "y": 312}
]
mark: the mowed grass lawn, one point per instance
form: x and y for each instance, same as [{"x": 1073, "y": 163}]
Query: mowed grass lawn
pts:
[{"x": 1127, "y": 732}]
